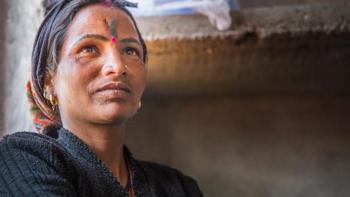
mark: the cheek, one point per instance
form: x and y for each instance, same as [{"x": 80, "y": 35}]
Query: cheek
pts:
[
  {"x": 141, "y": 78},
  {"x": 73, "y": 83}
]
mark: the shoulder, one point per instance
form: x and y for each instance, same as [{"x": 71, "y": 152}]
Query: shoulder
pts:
[
  {"x": 32, "y": 163},
  {"x": 33, "y": 149},
  {"x": 165, "y": 175},
  {"x": 26, "y": 137},
  {"x": 30, "y": 143}
]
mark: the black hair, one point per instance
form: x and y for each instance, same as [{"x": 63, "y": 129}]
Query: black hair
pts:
[{"x": 51, "y": 33}]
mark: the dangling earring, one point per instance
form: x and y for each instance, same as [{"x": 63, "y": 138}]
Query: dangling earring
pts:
[
  {"x": 53, "y": 101},
  {"x": 51, "y": 98},
  {"x": 140, "y": 105}
]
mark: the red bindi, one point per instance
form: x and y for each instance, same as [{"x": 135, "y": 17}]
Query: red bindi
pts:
[{"x": 114, "y": 39}]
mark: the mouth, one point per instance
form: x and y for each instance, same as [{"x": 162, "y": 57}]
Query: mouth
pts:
[{"x": 114, "y": 90}]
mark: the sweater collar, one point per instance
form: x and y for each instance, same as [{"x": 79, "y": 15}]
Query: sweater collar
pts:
[{"x": 81, "y": 151}]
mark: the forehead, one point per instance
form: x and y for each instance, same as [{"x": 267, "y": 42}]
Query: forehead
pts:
[{"x": 95, "y": 19}]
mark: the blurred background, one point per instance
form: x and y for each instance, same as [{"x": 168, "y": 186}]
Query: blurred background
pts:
[{"x": 249, "y": 97}]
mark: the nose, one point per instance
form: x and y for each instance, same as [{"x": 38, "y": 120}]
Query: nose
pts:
[{"x": 114, "y": 64}]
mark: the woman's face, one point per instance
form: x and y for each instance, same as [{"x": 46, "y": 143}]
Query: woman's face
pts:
[{"x": 100, "y": 79}]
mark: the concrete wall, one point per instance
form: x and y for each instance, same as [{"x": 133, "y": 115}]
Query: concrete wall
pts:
[
  {"x": 289, "y": 137},
  {"x": 3, "y": 13},
  {"x": 250, "y": 146},
  {"x": 22, "y": 20}
]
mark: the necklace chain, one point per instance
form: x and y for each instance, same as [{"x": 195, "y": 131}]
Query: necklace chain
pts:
[{"x": 129, "y": 183}]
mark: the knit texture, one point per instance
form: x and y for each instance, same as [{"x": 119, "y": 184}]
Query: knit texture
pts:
[{"x": 33, "y": 164}]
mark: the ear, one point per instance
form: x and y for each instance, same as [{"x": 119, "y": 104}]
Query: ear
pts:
[{"x": 49, "y": 88}]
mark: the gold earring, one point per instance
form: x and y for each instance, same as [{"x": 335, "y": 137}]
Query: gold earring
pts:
[
  {"x": 53, "y": 102},
  {"x": 140, "y": 105}
]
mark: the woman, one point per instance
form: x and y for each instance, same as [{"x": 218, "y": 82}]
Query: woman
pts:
[{"x": 88, "y": 76}]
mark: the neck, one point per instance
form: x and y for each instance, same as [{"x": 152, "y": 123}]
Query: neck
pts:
[{"x": 107, "y": 141}]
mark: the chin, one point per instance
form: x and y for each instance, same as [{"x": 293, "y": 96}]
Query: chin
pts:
[{"x": 116, "y": 114}]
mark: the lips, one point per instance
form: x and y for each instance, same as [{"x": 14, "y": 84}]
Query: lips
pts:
[{"x": 114, "y": 90}]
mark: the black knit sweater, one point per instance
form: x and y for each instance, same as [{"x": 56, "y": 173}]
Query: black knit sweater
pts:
[{"x": 38, "y": 165}]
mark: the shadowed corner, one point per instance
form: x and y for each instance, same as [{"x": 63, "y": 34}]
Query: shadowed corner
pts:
[{"x": 3, "y": 13}]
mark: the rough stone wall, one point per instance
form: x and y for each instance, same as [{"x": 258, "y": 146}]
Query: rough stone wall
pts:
[{"x": 22, "y": 20}]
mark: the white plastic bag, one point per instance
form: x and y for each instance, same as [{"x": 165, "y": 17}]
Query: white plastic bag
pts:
[{"x": 218, "y": 11}]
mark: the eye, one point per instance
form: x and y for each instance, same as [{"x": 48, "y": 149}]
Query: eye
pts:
[
  {"x": 130, "y": 51},
  {"x": 88, "y": 50}
]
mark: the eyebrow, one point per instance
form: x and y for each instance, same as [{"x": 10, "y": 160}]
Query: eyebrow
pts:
[
  {"x": 130, "y": 40},
  {"x": 103, "y": 38}
]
